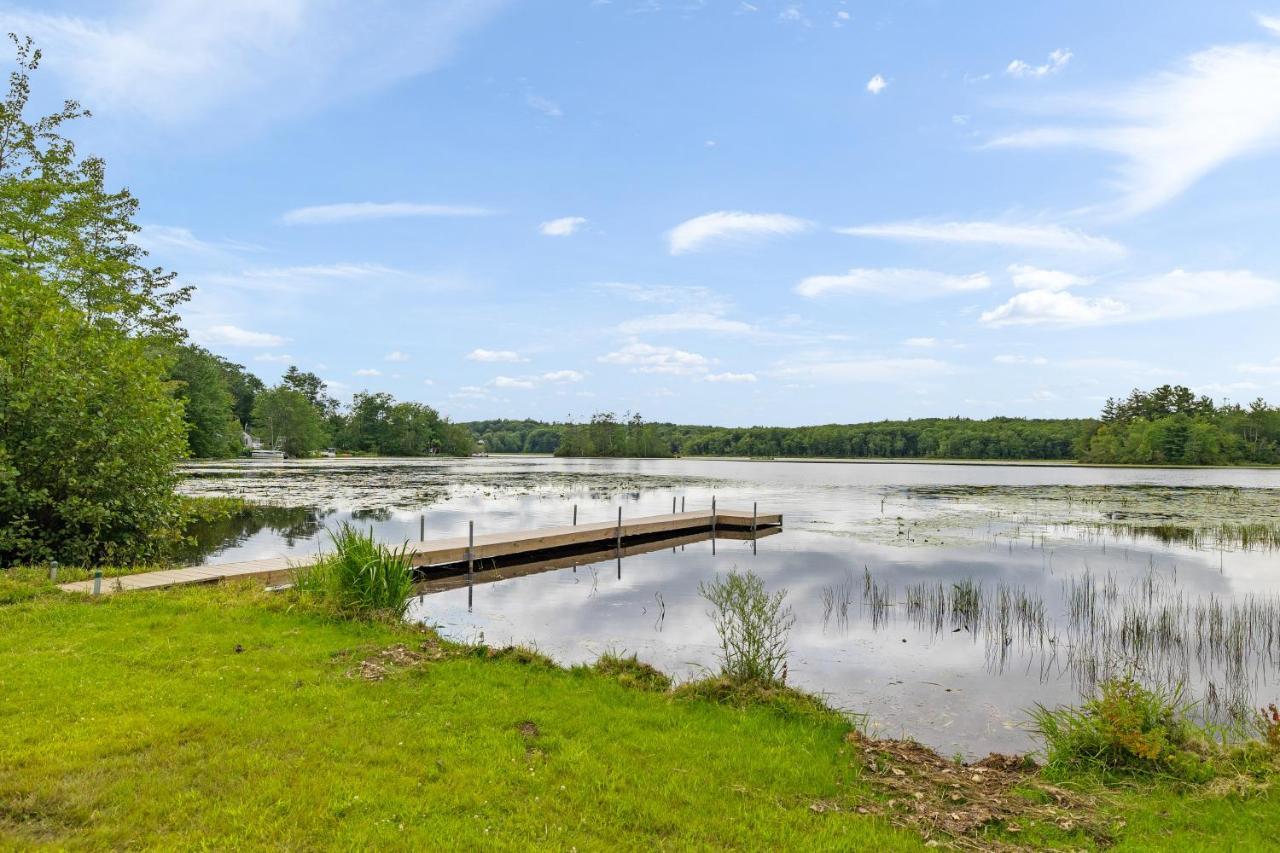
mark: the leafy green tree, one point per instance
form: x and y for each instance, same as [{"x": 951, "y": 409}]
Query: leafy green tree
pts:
[
  {"x": 243, "y": 385},
  {"x": 88, "y": 429},
  {"x": 312, "y": 387},
  {"x": 213, "y": 431},
  {"x": 285, "y": 419},
  {"x": 88, "y": 435}
]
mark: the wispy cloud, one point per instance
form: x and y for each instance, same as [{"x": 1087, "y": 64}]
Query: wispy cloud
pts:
[
  {"x": 546, "y": 106},
  {"x": 1174, "y": 295},
  {"x": 646, "y": 358},
  {"x": 1172, "y": 129},
  {"x": 527, "y": 383},
  {"x": 685, "y": 322},
  {"x": 1033, "y": 278},
  {"x": 565, "y": 226},
  {"x": 1016, "y": 235},
  {"x": 866, "y": 369},
  {"x": 730, "y": 377},
  {"x": 1058, "y": 60},
  {"x": 731, "y": 226},
  {"x": 359, "y": 211},
  {"x": 490, "y": 356},
  {"x": 903, "y": 283},
  {"x": 1270, "y": 22},
  {"x": 234, "y": 336},
  {"x": 396, "y": 356},
  {"x": 367, "y": 371},
  {"x": 180, "y": 61},
  {"x": 876, "y": 84}
]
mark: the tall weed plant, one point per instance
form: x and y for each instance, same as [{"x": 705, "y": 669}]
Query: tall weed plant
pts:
[{"x": 753, "y": 626}]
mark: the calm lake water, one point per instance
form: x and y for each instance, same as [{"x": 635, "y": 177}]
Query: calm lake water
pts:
[{"x": 941, "y": 600}]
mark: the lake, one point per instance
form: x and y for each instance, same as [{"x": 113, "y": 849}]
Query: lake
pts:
[{"x": 942, "y": 600}]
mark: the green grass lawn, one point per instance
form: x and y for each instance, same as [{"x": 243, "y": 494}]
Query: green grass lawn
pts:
[{"x": 221, "y": 717}]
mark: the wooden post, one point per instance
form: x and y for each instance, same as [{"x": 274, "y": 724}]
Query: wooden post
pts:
[
  {"x": 682, "y": 503},
  {"x": 97, "y": 581},
  {"x": 619, "y": 543},
  {"x": 422, "y": 528},
  {"x": 575, "y": 515},
  {"x": 471, "y": 559},
  {"x": 673, "y": 504},
  {"x": 713, "y": 518},
  {"x": 753, "y": 517}
]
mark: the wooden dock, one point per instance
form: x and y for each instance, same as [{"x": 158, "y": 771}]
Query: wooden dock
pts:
[{"x": 438, "y": 554}]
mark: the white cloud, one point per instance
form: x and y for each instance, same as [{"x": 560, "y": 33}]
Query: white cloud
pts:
[
  {"x": 646, "y": 358},
  {"x": 565, "y": 226},
  {"x": 367, "y": 371},
  {"x": 865, "y": 369},
  {"x": 504, "y": 356},
  {"x": 359, "y": 211},
  {"x": 1058, "y": 60},
  {"x": 1056, "y": 308},
  {"x": 730, "y": 377},
  {"x": 1173, "y": 295},
  {"x": 1270, "y": 22},
  {"x": 1023, "y": 236},
  {"x": 396, "y": 356},
  {"x": 234, "y": 336},
  {"x": 274, "y": 358},
  {"x": 512, "y": 382},
  {"x": 1033, "y": 278},
  {"x": 563, "y": 376},
  {"x": 876, "y": 84},
  {"x": 685, "y": 322},
  {"x": 730, "y": 225},
  {"x": 179, "y": 61},
  {"x": 1021, "y": 359},
  {"x": 921, "y": 343},
  {"x": 890, "y": 281},
  {"x": 1172, "y": 129},
  {"x": 156, "y": 238}
]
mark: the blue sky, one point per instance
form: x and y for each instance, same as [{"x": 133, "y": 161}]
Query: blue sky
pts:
[{"x": 717, "y": 212}]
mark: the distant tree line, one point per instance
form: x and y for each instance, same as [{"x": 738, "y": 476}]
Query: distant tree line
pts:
[
  {"x": 1169, "y": 425},
  {"x": 222, "y": 401}
]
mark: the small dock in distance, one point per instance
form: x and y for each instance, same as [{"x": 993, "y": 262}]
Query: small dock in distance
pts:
[{"x": 436, "y": 557}]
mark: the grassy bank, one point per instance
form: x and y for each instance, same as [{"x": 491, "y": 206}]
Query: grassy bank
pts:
[{"x": 225, "y": 717}]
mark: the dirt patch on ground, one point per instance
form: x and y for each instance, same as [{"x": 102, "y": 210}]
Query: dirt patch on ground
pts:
[
  {"x": 384, "y": 662},
  {"x": 959, "y": 805}
]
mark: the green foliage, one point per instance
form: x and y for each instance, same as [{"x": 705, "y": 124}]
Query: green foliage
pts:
[
  {"x": 777, "y": 698},
  {"x": 88, "y": 435},
  {"x": 378, "y": 424},
  {"x": 285, "y": 419},
  {"x": 752, "y": 626},
  {"x": 360, "y": 577},
  {"x": 1170, "y": 425},
  {"x": 213, "y": 432},
  {"x": 605, "y": 435},
  {"x": 1126, "y": 727}
]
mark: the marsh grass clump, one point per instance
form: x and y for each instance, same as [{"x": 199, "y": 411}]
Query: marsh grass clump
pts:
[
  {"x": 782, "y": 700},
  {"x": 1126, "y": 727},
  {"x": 360, "y": 577},
  {"x": 630, "y": 671},
  {"x": 753, "y": 627}
]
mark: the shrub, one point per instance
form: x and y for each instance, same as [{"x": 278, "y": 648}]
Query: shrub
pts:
[
  {"x": 753, "y": 627},
  {"x": 361, "y": 577},
  {"x": 1129, "y": 728}
]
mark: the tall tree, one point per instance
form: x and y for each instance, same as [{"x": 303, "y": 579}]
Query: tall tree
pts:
[
  {"x": 88, "y": 429},
  {"x": 286, "y": 420}
]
